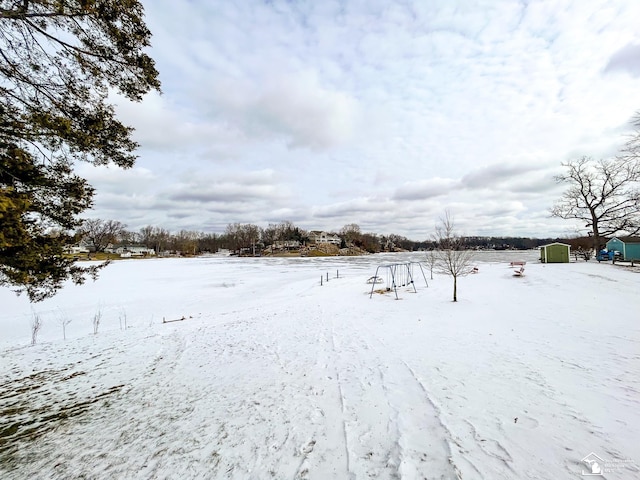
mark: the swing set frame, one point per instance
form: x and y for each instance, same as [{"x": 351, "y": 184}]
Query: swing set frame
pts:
[{"x": 401, "y": 274}]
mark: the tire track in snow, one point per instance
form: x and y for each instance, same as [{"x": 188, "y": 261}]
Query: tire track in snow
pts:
[
  {"x": 425, "y": 443},
  {"x": 437, "y": 427},
  {"x": 342, "y": 405},
  {"x": 395, "y": 454},
  {"x": 394, "y": 427},
  {"x": 300, "y": 433},
  {"x": 460, "y": 463},
  {"x": 368, "y": 418}
]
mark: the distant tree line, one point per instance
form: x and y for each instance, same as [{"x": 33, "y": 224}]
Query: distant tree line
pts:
[{"x": 252, "y": 239}]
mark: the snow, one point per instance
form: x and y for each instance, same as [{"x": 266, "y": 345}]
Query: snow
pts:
[{"x": 272, "y": 375}]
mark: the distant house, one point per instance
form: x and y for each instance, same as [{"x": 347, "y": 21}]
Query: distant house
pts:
[
  {"x": 629, "y": 247},
  {"x": 83, "y": 246},
  {"x": 555, "y": 253},
  {"x": 130, "y": 250},
  {"x": 316, "y": 236},
  {"x": 80, "y": 247},
  {"x": 286, "y": 244}
]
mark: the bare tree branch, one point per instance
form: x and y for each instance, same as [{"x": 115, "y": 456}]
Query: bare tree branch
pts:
[
  {"x": 603, "y": 193},
  {"x": 452, "y": 258}
]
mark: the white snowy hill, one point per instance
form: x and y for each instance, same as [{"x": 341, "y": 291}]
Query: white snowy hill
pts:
[{"x": 272, "y": 375}]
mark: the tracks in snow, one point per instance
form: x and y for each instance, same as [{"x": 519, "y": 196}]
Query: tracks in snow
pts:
[
  {"x": 268, "y": 396},
  {"x": 393, "y": 429}
]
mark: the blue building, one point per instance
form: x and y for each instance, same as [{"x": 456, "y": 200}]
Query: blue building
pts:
[{"x": 629, "y": 247}]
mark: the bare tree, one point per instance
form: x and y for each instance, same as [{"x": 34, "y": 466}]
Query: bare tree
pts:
[
  {"x": 452, "y": 258},
  {"x": 155, "y": 237},
  {"x": 269, "y": 235},
  {"x": 185, "y": 242},
  {"x": 123, "y": 318},
  {"x": 100, "y": 233},
  {"x": 431, "y": 261},
  {"x": 250, "y": 235},
  {"x": 351, "y": 234},
  {"x": 398, "y": 241},
  {"x": 146, "y": 235},
  {"x": 604, "y": 193},
  {"x": 36, "y": 325},
  {"x": 129, "y": 237},
  {"x": 64, "y": 321},
  {"x": 286, "y": 230},
  {"x": 96, "y": 321},
  {"x": 233, "y": 233},
  {"x": 242, "y": 235}
]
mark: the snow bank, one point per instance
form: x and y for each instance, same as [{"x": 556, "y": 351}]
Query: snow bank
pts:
[{"x": 273, "y": 375}]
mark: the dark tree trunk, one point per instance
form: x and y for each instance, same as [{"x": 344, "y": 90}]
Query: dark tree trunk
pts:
[{"x": 455, "y": 288}]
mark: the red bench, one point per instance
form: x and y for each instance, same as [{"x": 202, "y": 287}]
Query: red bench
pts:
[{"x": 519, "y": 272}]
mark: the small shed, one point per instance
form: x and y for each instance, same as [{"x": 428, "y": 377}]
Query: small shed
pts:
[
  {"x": 555, "y": 253},
  {"x": 629, "y": 247}
]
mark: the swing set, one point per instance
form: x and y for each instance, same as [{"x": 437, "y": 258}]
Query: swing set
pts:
[{"x": 398, "y": 275}]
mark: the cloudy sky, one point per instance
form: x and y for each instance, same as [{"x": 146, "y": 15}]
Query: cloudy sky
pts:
[{"x": 377, "y": 112}]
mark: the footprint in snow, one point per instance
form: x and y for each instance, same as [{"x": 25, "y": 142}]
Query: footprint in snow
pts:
[
  {"x": 526, "y": 422},
  {"x": 307, "y": 447}
]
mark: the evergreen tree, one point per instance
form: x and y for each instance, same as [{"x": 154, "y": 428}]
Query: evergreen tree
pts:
[{"x": 58, "y": 60}]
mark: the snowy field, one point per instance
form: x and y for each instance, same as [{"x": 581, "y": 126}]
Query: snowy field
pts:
[{"x": 274, "y": 376}]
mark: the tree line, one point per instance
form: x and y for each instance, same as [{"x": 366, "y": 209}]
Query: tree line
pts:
[{"x": 254, "y": 240}]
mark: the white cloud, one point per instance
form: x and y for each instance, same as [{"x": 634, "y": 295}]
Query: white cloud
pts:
[
  {"x": 293, "y": 105},
  {"x": 381, "y": 113},
  {"x": 425, "y": 189}
]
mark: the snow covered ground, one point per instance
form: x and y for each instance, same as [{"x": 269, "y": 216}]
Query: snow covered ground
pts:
[{"x": 274, "y": 376}]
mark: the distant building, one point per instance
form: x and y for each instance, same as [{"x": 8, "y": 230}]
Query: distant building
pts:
[
  {"x": 286, "y": 244},
  {"x": 83, "y": 246},
  {"x": 130, "y": 250},
  {"x": 316, "y": 236},
  {"x": 629, "y": 247},
  {"x": 80, "y": 247}
]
